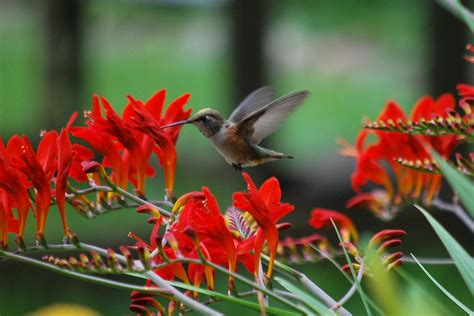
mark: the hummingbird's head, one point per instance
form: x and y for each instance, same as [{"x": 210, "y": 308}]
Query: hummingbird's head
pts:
[{"x": 208, "y": 121}]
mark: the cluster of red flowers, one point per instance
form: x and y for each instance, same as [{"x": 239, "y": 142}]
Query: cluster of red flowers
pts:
[
  {"x": 125, "y": 143},
  {"x": 22, "y": 169},
  {"x": 393, "y": 147},
  {"x": 199, "y": 229}
]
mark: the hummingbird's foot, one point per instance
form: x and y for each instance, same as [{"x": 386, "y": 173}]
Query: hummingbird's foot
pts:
[{"x": 237, "y": 166}]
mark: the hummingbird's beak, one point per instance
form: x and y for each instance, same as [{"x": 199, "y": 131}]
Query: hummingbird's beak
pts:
[{"x": 178, "y": 123}]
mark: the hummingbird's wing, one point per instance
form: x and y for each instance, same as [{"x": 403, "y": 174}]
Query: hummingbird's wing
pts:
[
  {"x": 266, "y": 120},
  {"x": 254, "y": 101}
]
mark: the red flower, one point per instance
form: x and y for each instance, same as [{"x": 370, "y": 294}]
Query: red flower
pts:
[
  {"x": 39, "y": 168},
  {"x": 321, "y": 217},
  {"x": 146, "y": 118},
  {"x": 394, "y": 145},
  {"x": 128, "y": 142},
  {"x": 467, "y": 93},
  {"x": 204, "y": 218},
  {"x": 8, "y": 223},
  {"x": 103, "y": 143},
  {"x": 65, "y": 161},
  {"x": 265, "y": 207},
  {"x": 127, "y": 137},
  {"x": 15, "y": 186}
]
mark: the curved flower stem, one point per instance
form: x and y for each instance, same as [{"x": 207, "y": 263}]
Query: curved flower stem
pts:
[
  {"x": 81, "y": 276},
  {"x": 195, "y": 305},
  {"x": 254, "y": 285},
  {"x": 308, "y": 284},
  {"x": 456, "y": 209},
  {"x": 141, "y": 201},
  {"x": 353, "y": 288},
  {"x": 351, "y": 281}
]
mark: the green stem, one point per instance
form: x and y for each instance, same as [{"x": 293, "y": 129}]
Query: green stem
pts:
[
  {"x": 339, "y": 267},
  {"x": 255, "y": 286},
  {"x": 141, "y": 201},
  {"x": 81, "y": 276},
  {"x": 308, "y": 284}
]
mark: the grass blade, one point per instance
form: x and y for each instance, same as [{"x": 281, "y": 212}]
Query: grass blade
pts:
[
  {"x": 463, "y": 261},
  {"x": 446, "y": 292}
]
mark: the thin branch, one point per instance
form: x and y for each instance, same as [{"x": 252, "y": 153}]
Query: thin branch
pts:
[
  {"x": 353, "y": 288},
  {"x": 461, "y": 12},
  {"x": 351, "y": 281},
  {"x": 141, "y": 201},
  {"x": 456, "y": 209}
]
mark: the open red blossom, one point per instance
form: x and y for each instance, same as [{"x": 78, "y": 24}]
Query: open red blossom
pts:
[
  {"x": 114, "y": 125},
  {"x": 15, "y": 185},
  {"x": 372, "y": 157},
  {"x": 265, "y": 207},
  {"x": 147, "y": 118},
  {"x": 321, "y": 217},
  {"x": 8, "y": 223},
  {"x": 39, "y": 168},
  {"x": 204, "y": 218},
  {"x": 127, "y": 142},
  {"x": 104, "y": 143},
  {"x": 21, "y": 168}
]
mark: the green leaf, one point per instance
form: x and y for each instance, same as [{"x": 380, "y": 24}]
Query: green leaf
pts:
[
  {"x": 463, "y": 261},
  {"x": 459, "y": 182},
  {"x": 232, "y": 299},
  {"x": 310, "y": 300},
  {"x": 446, "y": 292}
]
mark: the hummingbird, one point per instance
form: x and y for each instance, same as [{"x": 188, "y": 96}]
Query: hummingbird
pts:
[{"x": 237, "y": 139}]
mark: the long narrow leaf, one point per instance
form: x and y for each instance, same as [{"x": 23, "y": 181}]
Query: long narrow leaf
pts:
[
  {"x": 463, "y": 261},
  {"x": 459, "y": 182},
  {"x": 311, "y": 301},
  {"x": 446, "y": 292}
]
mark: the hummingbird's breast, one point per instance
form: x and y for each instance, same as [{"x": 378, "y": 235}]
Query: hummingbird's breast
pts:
[{"x": 234, "y": 148}]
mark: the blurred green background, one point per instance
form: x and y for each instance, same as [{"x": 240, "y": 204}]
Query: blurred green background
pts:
[{"x": 351, "y": 55}]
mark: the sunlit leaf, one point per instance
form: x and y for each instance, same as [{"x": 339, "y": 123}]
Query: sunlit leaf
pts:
[{"x": 463, "y": 261}]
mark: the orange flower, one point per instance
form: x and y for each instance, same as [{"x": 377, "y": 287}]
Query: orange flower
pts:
[
  {"x": 392, "y": 146},
  {"x": 321, "y": 217}
]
